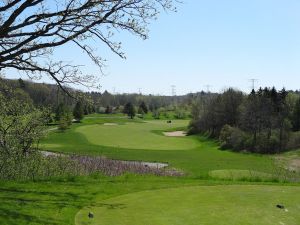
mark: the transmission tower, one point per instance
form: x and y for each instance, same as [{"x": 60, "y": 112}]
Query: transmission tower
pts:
[
  {"x": 208, "y": 88},
  {"x": 253, "y": 82},
  {"x": 173, "y": 88}
]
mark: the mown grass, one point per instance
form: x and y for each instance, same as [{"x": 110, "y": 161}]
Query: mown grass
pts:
[
  {"x": 234, "y": 205},
  {"x": 137, "y": 136},
  {"x": 58, "y": 201},
  {"x": 197, "y": 161}
]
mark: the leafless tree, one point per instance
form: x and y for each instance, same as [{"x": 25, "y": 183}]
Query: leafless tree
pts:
[{"x": 30, "y": 30}]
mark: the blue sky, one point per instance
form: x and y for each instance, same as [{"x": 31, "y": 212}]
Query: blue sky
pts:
[{"x": 213, "y": 42}]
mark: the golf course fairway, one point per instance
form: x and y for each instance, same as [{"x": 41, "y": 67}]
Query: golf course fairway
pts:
[
  {"x": 199, "y": 205},
  {"x": 138, "y": 136}
]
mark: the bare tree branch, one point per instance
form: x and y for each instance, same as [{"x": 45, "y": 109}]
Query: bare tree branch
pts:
[{"x": 30, "y": 30}]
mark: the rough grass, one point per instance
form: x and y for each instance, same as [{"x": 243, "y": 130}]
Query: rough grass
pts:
[
  {"x": 241, "y": 175},
  {"x": 234, "y": 205}
]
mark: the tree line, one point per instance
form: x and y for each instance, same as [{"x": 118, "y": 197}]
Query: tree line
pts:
[
  {"x": 265, "y": 121},
  {"x": 51, "y": 96}
]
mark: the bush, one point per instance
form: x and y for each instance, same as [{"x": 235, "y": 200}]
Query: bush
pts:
[
  {"x": 232, "y": 138},
  {"x": 180, "y": 114},
  {"x": 156, "y": 114},
  {"x": 294, "y": 141},
  {"x": 267, "y": 145}
]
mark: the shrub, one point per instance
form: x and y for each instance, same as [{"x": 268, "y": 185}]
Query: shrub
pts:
[
  {"x": 156, "y": 114},
  {"x": 232, "y": 137},
  {"x": 265, "y": 144},
  {"x": 180, "y": 114},
  {"x": 294, "y": 141}
]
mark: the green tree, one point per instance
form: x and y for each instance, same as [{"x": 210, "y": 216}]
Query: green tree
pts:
[
  {"x": 60, "y": 111},
  {"x": 21, "y": 125},
  {"x": 296, "y": 116},
  {"x": 108, "y": 110},
  {"x": 143, "y": 107},
  {"x": 156, "y": 114},
  {"x": 21, "y": 83},
  {"x": 78, "y": 111},
  {"x": 129, "y": 110}
]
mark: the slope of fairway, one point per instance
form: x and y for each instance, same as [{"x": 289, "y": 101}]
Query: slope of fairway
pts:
[
  {"x": 234, "y": 205},
  {"x": 138, "y": 136}
]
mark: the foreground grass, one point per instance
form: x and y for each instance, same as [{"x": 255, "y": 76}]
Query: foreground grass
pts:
[
  {"x": 235, "y": 205},
  {"x": 58, "y": 201}
]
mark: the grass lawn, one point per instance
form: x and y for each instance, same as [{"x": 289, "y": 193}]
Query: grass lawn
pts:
[
  {"x": 221, "y": 196},
  {"x": 234, "y": 205},
  {"x": 195, "y": 155},
  {"x": 57, "y": 201},
  {"x": 138, "y": 136}
]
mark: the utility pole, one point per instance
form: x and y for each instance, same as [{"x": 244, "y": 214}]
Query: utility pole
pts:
[{"x": 140, "y": 91}]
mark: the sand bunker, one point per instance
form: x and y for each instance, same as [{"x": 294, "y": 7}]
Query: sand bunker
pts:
[
  {"x": 175, "y": 134},
  {"x": 110, "y": 124}
]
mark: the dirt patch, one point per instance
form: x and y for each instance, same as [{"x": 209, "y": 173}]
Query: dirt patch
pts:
[
  {"x": 294, "y": 165},
  {"x": 291, "y": 163},
  {"x": 110, "y": 124},
  {"x": 175, "y": 134}
]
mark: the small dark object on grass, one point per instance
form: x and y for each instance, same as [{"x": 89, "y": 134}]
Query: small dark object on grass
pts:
[
  {"x": 280, "y": 206},
  {"x": 91, "y": 215},
  {"x": 169, "y": 121}
]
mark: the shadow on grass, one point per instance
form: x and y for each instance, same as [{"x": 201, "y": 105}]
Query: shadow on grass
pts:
[
  {"x": 39, "y": 207},
  {"x": 15, "y": 217}
]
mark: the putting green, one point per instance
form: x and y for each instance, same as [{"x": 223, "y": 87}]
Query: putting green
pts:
[
  {"x": 202, "y": 205},
  {"x": 138, "y": 136}
]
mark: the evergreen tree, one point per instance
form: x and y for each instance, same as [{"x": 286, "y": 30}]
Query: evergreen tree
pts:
[
  {"x": 65, "y": 120},
  {"x": 129, "y": 110},
  {"x": 296, "y": 116},
  {"x": 21, "y": 83},
  {"x": 143, "y": 107},
  {"x": 60, "y": 111},
  {"x": 108, "y": 110},
  {"x": 78, "y": 111}
]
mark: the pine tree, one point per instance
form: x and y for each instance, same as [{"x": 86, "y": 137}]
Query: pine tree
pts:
[
  {"x": 296, "y": 116},
  {"x": 129, "y": 110},
  {"x": 78, "y": 111},
  {"x": 143, "y": 107}
]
